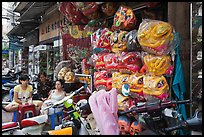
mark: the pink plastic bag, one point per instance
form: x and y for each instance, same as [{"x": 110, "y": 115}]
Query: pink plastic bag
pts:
[{"x": 104, "y": 107}]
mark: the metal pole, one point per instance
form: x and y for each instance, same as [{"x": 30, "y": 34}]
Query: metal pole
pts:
[{"x": 191, "y": 61}]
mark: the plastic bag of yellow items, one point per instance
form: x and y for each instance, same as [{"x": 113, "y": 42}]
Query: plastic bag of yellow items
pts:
[
  {"x": 155, "y": 37},
  {"x": 157, "y": 65}
]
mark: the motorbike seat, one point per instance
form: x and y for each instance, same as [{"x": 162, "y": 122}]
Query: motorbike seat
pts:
[
  {"x": 37, "y": 120},
  {"x": 9, "y": 125},
  {"x": 12, "y": 85}
]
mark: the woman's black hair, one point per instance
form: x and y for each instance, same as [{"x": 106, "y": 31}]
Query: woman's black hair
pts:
[
  {"x": 23, "y": 77},
  {"x": 61, "y": 81},
  {"x": 42, "y": 73}
]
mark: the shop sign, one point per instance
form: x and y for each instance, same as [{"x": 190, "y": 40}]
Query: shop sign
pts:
[{"x": 51, "y": 27}]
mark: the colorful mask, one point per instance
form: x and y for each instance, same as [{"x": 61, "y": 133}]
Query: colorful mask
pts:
[
  {"x": 97, "y": 47},
  {"x": 99, "y": 63},
  {"x": 69, "y": 77},
  {"x": 104, "y": 40},
  {"x": 132, "y": 42},
  {"x": 155, "y": 87},
  {"x": 124, "y": 19},
  {"x": 118, "y": 79},
  {"x": 130, "y": 62},
  {"x": 124, "y": 125},
  {"x": 155, "y": 37},
  {"x": 111, "y": 61},
  {"x": 136, "y": 83},
  {"x": 103, "y": 79},
  {"x": 108, "y": 8},
  {"x": 118, "y": 41},
  {"x": 124, "y": 102},
  {"x": 135, "y": 128},
  {"x": 72, "y": 13},
  {"x": 158, "y": 65},
  {"x": 62, "y": 72}
]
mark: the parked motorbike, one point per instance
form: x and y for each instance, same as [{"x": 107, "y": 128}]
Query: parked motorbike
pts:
[
  {"x": 157, "y": 116},
  {"x": 75, "y": 122},
  {"x": 9, "y": 81},
  {"x": 193, "y": 123},
  {"x": 29, "y": 126},
  {"x": 72, "y": 123}
]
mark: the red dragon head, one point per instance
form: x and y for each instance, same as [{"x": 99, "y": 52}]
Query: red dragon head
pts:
[
  {"x": 99, "y": 63},
  {"x": 103, "y": 79},
  {"x": 130, "y": 62}
]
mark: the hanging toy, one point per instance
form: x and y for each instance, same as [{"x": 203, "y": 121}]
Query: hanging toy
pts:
[{"x": 124, "y": 19}]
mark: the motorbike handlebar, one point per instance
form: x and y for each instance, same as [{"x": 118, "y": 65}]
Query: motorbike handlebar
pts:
[
  {"x": 154, "y": 107},
  {"x": 64, "y": 99},
  {"x": 78, "y": 108},
  {"x": 169, "y": 129},
  {"x": 194, "y": 123}
]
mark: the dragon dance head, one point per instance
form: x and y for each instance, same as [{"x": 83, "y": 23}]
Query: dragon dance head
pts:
[
  {"x": 135, "y": 81},
  {"x": 124, "y": 19},
  {"x": 99, "y": 61},
  {"x": 155, "y": 37},
  {"x": 103, "y": 80},
  {"x": 132, "y": 42},
  {"x": 158, "y": 65},
  {"x": 111, "y": 61},
  {"x": 100, "y": 39},
  {"x": 118, "y": 41},
  {"x": 155, "y": 87},
  {"x": 104, "y": 40},
  {"x": 130, "y": 62},
  {"x": 118, "y": 79}
]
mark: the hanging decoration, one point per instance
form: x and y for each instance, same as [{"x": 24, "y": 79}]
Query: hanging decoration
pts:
[{"x": 124, "y": 19}]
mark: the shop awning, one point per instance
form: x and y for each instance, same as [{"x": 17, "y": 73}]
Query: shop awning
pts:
[
  {"x": 22, "y": 28},
  {"x": 29, "y": 20},
  {"x": 35, "y": 11}
]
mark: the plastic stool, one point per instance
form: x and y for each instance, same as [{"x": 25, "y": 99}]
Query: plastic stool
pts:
[
  {"x": 25, "y": 110},
  {"x": 55, "y": 114}
]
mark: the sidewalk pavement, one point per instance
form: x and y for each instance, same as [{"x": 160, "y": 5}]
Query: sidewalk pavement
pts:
[{"x": 6, "y": 116}]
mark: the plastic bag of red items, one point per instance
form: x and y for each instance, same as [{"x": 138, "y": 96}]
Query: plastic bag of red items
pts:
[
  {"x": 124, "y": 19},
  {"x": 89, "y": 9},
  {"x": 74, "y": 15},
  {"x": 100, "y": 40}
]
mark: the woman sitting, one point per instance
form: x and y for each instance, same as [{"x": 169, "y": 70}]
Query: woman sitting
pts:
[
  {"x": 22, "y": 95},
  {"x": 56, "y": 95}
]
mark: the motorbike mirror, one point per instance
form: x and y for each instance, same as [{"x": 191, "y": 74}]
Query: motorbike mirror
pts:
[
  {"x": 82, "y": 103},
  {"x": 12, "y": 70}
]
